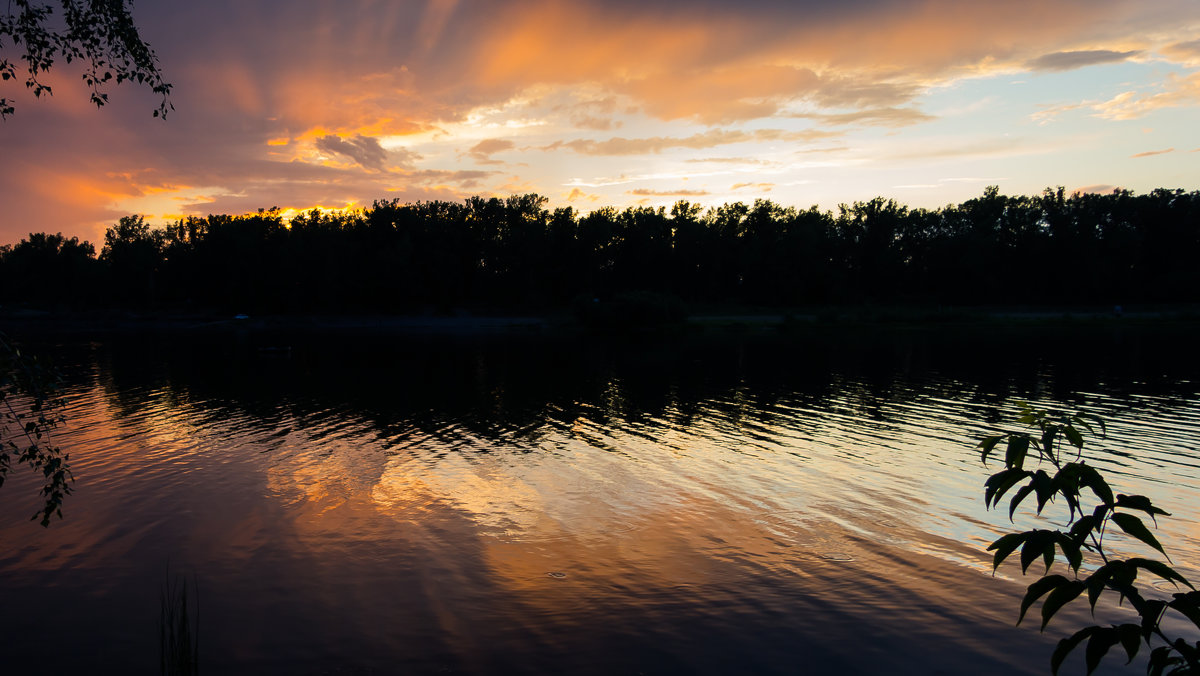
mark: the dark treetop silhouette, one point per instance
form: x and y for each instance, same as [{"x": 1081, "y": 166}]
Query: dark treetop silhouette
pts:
[{"x": 517, "y": 255}]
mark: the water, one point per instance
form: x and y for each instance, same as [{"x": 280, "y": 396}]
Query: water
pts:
[{"x": 368, "y": 504}]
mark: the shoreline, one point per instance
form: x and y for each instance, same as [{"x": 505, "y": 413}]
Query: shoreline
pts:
[{"x": 467, "y": 323}]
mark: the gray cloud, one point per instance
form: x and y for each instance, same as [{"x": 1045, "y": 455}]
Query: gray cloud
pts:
[
  {"x": 1059, "y": 61},
  {"x": 364, "y": 150}
]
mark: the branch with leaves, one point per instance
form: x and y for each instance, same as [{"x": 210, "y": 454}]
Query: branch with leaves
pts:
[
  {"x": 1057, "y": 445},
  {"x": 30, "y": 405},
  {"x": 97, "y": 33}
]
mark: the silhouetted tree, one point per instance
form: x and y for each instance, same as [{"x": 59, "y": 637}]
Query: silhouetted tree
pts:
[{"x": 98, "y": 33}]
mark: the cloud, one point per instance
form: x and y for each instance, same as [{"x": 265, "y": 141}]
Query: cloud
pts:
[
  {"x": 881, "y": 117},
  {"x": 708, "y": 139},
  {"x": 364, "y": 150},
  {"x": 1049, "y": 113},
  {"x": 1183, "y": 51},
  {"x": 1176, "y": 91},
  {"x": 646, "y": 192},
  {"x": 1099, "y": 189},
  {"x": 1060, "y": 61},
  {"x": 576, "y": 194},
  {"x": 1150, "y": 153},
  {"x": 761, "y": 187},
  {"x": 483, "y": 151},
  {"x": 354, "y": 79}
]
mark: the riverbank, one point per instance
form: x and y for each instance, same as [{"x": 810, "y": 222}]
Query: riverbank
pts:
[{"x": 25, "y": 319}]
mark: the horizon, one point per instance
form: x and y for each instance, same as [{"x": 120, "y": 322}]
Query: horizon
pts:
[{"x": 590, "y": 105}]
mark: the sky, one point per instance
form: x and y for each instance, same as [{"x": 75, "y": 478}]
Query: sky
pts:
[{"x": 591, "y": 103}]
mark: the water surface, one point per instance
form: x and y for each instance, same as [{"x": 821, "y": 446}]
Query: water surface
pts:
[{"x": 525, "y": 504}]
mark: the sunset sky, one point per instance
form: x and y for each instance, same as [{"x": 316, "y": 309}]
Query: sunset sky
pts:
[{"x": 336, "y": 104}]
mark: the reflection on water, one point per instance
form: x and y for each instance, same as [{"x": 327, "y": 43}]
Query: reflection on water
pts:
[{"x": 368, "y": 504}]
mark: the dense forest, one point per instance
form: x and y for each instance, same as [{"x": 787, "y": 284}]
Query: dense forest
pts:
[{"x": 515, "y": 255}]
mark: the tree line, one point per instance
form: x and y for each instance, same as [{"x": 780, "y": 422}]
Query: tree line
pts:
[{"x": 515, "y": 254}]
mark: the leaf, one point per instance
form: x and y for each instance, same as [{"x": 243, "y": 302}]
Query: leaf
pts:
[
  {"x": 1160, "y": 658},
  {"x": 1018, "y": 448},
  {"x": 1082, "y": 419},
  {"x": 1070, "y": 549},
  {"x": 1018, "y": 497},
  {"x": 1058, "y": 598},
  {"x": 1140, "y": 503},
  {"x": 1034, "y": 547},
  {"x": 1084, "y": 526},
  {"x": 1073, "y": 436},
  {"x": 999, "y": 483},
  {"x": 1044, "y": 486},
  {"x": 1006, "y": 545},
  {"x": 1188, "y": 604},
  {"x": 1088, "y": 476},
  {"x": 1134, "y": 527},
  {"x": 1130, "y": 636},
  {"x": 1096, "y": 583},
  {"x": 1152, "y": 612},
  {"x": 1037, "y": 590},
  {"x": 1160, "y": 569},
  {"x": 987, "y": 445},
  {"x": 1102, "y": 639},
  {"x": 1066, "y": 645}
]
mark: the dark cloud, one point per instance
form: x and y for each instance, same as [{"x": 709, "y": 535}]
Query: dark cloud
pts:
[
  {"x": 364, "y": 150},
  {"x": 1059, "y": 61}
]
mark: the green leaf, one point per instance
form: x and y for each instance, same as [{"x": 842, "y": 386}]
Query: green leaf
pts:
[
  {"x": 1006, "y": 545},
  {"x": 1066, "y": 645},
  {"x": 1134, "y": 527},
  {"x": 1060, "y": 597},
  {"x": 1130, "y": 636},
  {"x": 1102, "y": 639},
  {"x": 1037, "y": 590}
]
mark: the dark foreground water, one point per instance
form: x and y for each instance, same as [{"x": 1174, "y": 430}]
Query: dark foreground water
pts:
[{"x": 405, "y": 505}]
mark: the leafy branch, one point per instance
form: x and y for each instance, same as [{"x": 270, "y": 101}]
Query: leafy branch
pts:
[
  {"x": 30, "y": 405},
  {"x": 1055, "y": 451},
  {"x": 98, "y": 33}
]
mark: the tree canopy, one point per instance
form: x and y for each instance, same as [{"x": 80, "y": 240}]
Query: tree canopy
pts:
[
  {"x": 100, "y": 34},
  {"x": 516, "y": 254}
]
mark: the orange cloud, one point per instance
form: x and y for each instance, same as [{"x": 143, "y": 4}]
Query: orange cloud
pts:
[
  {"x": 708, "y": 139},
  {"x": 1176, "y": 91}
]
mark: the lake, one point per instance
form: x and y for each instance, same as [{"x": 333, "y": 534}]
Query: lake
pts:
[{"x": 362, "y": 503}]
